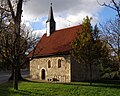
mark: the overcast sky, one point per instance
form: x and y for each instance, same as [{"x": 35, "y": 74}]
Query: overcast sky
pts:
[{"x": 66, "y": 12}]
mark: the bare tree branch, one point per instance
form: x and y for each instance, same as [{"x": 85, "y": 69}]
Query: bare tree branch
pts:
[
  {"x": 115, "y": 6},
  {"x": 3, "y": 9},
  {"x": 11, "y": 9}
]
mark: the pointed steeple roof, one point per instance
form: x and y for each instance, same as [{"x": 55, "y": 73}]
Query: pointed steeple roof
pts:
[{"x": 50, "y": 16}]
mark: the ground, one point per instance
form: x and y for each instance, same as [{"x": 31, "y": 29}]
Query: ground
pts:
[{"x": 63, "y": 89}]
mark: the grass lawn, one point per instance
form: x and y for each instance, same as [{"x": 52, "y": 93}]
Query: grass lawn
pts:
[{"x": 67, "y": 89}]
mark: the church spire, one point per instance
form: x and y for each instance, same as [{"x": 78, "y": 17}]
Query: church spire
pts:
[
  {"x": 50, "y": 16},
  {"x": 50, "y": 22}
]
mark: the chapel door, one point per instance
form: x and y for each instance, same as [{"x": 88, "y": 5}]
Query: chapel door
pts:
[{"x": 43, "y": 74}]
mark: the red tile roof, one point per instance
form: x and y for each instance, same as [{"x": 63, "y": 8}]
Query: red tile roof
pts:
[{"x": 58, "y": 42}]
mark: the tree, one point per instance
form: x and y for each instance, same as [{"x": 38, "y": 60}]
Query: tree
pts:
[
  {"x": 87, "y": 47},
  {"x": 27, "y": 42},
  {"x": 111, "y": 30},
  {"x": 14, "y": 42},
  {"x": 111, "y": 34},
  {"x": 15, "y": 50}
]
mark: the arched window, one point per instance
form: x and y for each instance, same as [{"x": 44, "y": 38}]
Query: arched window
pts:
[
  {"x": 59, "y": 63},
  {"x": 49, "y": 64}
]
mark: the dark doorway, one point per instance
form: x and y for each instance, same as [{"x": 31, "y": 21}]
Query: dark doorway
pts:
[{"x": 43, "y": 74}]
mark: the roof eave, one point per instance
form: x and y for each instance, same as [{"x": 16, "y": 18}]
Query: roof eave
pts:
[{"x": 53, "y": 54}]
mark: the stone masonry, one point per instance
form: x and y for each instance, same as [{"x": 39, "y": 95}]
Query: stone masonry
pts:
[
  {"x": 62, "y": 74},
  {"x": 69, "y": 71}
]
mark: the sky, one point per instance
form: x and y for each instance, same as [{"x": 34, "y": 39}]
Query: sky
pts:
[{"x": 67, "y": 13}]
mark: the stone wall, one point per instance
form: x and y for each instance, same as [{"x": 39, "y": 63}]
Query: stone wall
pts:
[
  {"x": 69, "y": 71},
  {"x": 62, "y": 74}
]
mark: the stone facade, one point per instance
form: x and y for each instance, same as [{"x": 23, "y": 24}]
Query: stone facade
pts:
[
  {"x": 61, "y": 68},
  {"x": 39, "y": 67}
]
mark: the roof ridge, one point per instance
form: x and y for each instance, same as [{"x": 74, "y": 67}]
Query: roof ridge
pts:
[{"x": 68, "y": 27}]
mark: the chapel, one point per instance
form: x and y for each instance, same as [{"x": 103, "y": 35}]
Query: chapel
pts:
[{"x": 52, "y": 59}]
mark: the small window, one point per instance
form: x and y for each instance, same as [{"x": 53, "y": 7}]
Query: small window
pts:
[
  {"x": 59, "y": 63},
  {"x": 49, "y": 64}
]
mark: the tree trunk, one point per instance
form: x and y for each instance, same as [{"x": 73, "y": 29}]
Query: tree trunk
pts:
[
  {"x": 15, "y": 82},
  {"x": 12, "y": 73},
  {"x": 90, "y": 74},
  {"x": 20, "y": 78}
]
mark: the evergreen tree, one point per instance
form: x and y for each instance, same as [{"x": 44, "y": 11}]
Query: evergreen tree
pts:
[{"x": 87, "y": 47}]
